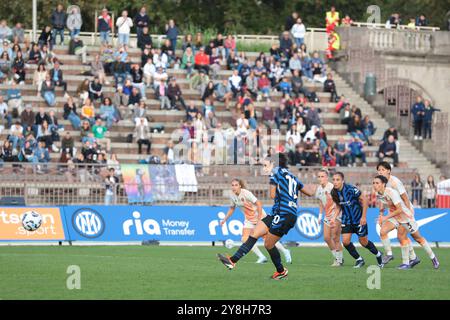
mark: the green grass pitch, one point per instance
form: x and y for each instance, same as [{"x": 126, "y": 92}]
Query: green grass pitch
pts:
[{"x": 148, "y": 272}]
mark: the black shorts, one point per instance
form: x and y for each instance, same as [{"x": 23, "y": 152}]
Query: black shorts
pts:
[
  {"x": 361, "y": 231},
  {"x": 280, "y": 224}
]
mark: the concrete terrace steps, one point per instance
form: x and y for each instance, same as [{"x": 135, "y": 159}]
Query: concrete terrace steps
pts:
[{"x": 408, "y": 152}]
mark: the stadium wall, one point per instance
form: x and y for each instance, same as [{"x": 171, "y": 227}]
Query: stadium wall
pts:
[{"x": 182, "y": 224}]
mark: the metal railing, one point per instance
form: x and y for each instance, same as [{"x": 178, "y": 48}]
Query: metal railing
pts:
[{"x": 60, "y": 184}]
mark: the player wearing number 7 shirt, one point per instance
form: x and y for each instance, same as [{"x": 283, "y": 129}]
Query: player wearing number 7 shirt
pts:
[
  {"x": 403, "y": 216},
  {"x": 284, "y": 189}
]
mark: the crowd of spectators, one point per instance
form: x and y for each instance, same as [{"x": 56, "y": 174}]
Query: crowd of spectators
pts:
[{"x": 93, "y": 112}]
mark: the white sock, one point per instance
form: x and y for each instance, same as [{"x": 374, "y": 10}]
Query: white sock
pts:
[
  {"x": 405, "y": 254},
  {"x": 428, "y": 250},
  {"x": 258, "y": 252},
  {"x": 333, "y": 252},
  {"x": 412, "y": 254},
  {"x": 387, "y": 246},
  {"x": 339, "y": 255},
  {"x": 281, "y": 248}
]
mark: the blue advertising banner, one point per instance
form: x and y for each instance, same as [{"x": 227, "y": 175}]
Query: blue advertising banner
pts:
[{"x": 202, "y": 223}]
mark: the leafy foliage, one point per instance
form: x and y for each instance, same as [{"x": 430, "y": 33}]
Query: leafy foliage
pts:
[{"x": 235, "y": 16}]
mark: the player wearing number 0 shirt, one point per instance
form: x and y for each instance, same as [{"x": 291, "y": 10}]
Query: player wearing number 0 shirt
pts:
[
  {"x": 401, "y": 215},
  {"x": 284, "y": 190},
  {"x": 252, "y": 209},
  {"x": 332, "y": 220},
  {"x": 354, "y": 211},
  {"x": 384, "y": 169}
]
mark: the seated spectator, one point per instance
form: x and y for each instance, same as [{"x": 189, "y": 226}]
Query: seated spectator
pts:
[
  {"x": 268, "y": 117},
  {"x": 27, "y": 116},
  {"x": 145, "y": 40},
  {"x": 242, "y": 125},
  {"x": 301, "y": 127},
  {"x": 188, "y": 61},
  {"x": 329, "y": 157},
  {"x": 56, "y": 75},
  {"x": 98, "y": 70},
  {"x": 175, "y": 94},
  {"x": 188, "y": 42},
  {"x": 230, "y": 45},
  {"x": 300, "y": 158},
  {"x": 70, "y": 113},
  {"x": 345, "y": 115},
  {"x": 284, "y": 86},
  {"x": 120, "y": 102},
  {"x": 388, "y": 149},
  {"x": 330, "y": 86},
  {"x": 149, "y": 72},
  {"x": 282, "y": 116},
  {"x": 232, "y": 61},
  {"x": 160, "y": 75},
  {"x": 264, "y": 87},
  {"x": 211, "y": 120},
  {"x": 223, "y": 93},
  {"x": 88, "y": 111},
  {"x": 160, "y": 59},
  {"x": 356, "y": 129},
  {"x": 368, "y": 129},
  {"x": 312, "y": 117},
  {"x": 46, "y": 38},
  {"x": 41, "y": 155},
  {"x": 244, "y": 70},
  {"x": 191, "y": 111},
  {"x": 293, "y": 134},
  {"x": 135, "y": 97},
  {"x": 235, "y": 82},
  {"x": 343, "y": 153},
  {"x": 107, "y": 58},
  {"x": 108, "y": 112},
  {"x": 207, "y": 106},
  {"x": 4, "y": 113},
  {"x": 162, "y": 95},
  {"x": 295, "y": 64},
  {"x": 391, "y": 131},
  {"x": 202, "y": 61},
  {"x": 137, "y": 76},
  {"x": 76, "y": 47},
  {"x": 314, "y": 158},
  {"x": 357, "y": 151},
  {"x": 139, "y": 111},
  {"x": 95, "y": 90},
  {"x": 34, "y": 55},
  {"x": 276, "y": 73},
  {"x": 5, "y": 66},
  {"x": 199, "y": 81},
  {"x": 119, "y": 70},
  {"x": 100, "y": 131},
  {"x": 142, "y": 135},
  {"x": 45, "y": 134},
  {"x": 48, "y": 91},
  {"x": 16, "y": 135},
  {"x": 209, "y": 92},
  {"x": 18, "y": 67},
  {"x": 286, "y": 44},
  {"x": 83, "y": 90}
]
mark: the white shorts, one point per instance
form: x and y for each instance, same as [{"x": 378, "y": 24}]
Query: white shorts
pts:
[
  {"x": 411, "y": 225},
  {"x": 249, "y": 225},
  {"x": 328, "y": 222}
]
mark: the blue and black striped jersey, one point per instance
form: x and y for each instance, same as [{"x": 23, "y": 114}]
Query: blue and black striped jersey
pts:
[
  {"x": 288, "y": 187},
  {"x": 349, "y": 202}
]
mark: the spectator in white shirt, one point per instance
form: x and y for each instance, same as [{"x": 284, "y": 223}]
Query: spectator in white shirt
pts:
[
  {"x": 235, "y": 83},
  {"x": 158, "y": 76},
  {"x": 124, "y": 24},
  {"x": 242, "y": 125},
  {"x": 149, "y": 72},
  {"x": 294, "y": 135},
  {"x": 298, "y": 31},
  {"x": 160, "y": 59}
]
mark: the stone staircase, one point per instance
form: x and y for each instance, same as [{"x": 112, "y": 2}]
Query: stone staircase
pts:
[{"x": 408, "y": 153}]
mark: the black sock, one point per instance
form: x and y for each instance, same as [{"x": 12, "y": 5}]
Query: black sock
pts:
[
  {"x": 276, "y": 258},
  {"x": 244, "y": 249},
  {"x": 352, "y": 250},
  {"x": 371, "y": 247}
]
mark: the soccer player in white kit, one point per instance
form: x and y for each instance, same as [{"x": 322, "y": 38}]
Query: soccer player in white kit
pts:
[
  {"x": 384, "y": 169},
  {"x": 252, "y": 209},
  {"x": 403, "y": 216},
  {"x": 331, "y": 222}
]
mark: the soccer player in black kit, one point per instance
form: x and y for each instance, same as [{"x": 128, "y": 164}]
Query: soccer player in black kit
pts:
[{"x": 354, "y": 210}]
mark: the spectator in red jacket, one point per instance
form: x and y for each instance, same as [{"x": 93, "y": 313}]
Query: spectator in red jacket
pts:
[{"x": 202, "y": 60}]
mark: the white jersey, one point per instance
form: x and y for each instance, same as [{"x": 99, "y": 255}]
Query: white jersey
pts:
[
  {"x": 398, "y": 186},
  {"x": 246, "y": 201},
  {"x": 391, "y": 198},
  {"x": 323, "y": 194}
]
